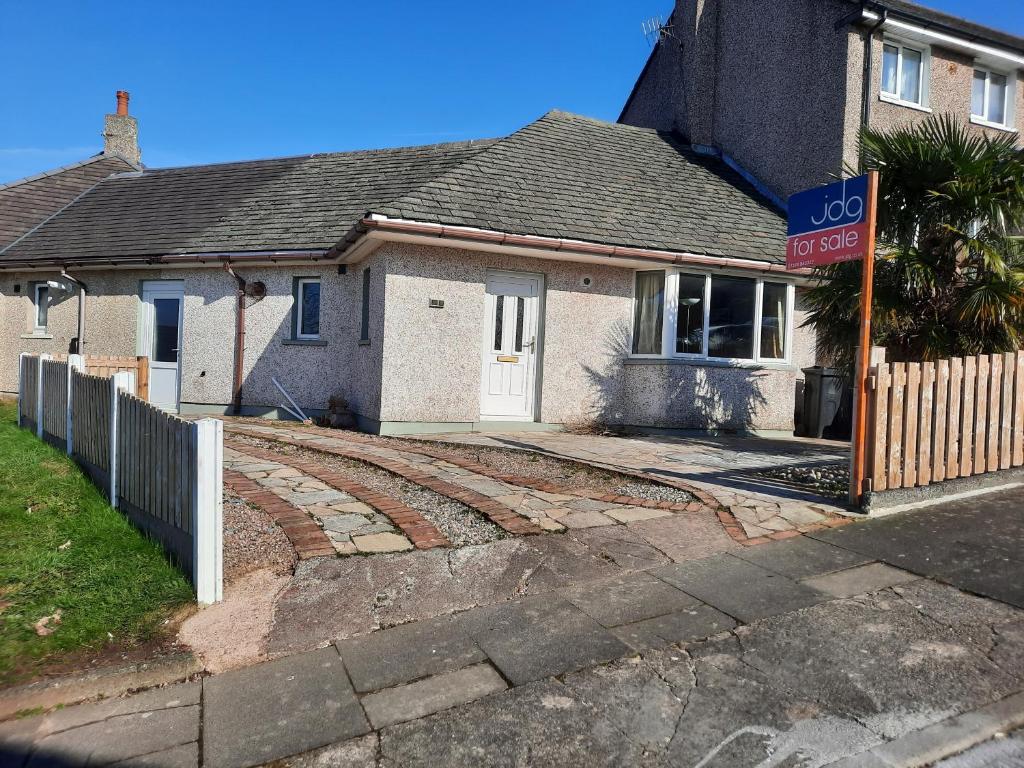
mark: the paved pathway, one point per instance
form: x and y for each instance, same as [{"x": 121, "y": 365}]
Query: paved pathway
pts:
[
  {"x": 800, "y": 652},
  {"x": 552, "y": 508},
  {"x": 725, "y": 467}
]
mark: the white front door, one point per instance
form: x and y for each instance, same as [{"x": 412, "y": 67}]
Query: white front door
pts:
[
  {"x": 509, "y": 372},
  {"x": 162, "y": 312}
]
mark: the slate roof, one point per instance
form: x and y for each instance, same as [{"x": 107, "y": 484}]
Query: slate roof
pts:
[
  {"x": 27, "y": 202},
  {"x": 293, "y": 203},
  {"x": 561, "y": 176},
  {"x": 574, "y": 177}
]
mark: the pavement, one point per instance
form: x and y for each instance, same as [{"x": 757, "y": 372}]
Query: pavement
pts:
[{"x": 850, "y": 646}]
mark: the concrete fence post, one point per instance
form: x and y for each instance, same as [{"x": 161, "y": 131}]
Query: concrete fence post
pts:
[
  {"x": 75, "y": 363},
  {"x": 39, "y": 396},
  {"x": 21, "y": 383},
  {"x": 208, "y": 528},
  {"x": 120, "y": 380}
]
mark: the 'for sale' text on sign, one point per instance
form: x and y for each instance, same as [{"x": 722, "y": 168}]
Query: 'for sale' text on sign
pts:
[{"x": 828, "y": 224}]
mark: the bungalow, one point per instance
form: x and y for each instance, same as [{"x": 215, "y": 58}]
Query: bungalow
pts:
[{"x": 574, "y": 270}]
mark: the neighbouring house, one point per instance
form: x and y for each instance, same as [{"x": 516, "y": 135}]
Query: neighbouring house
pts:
[
  {"x": 575, "y": 269},
  {"x": 780, "y": 90}
]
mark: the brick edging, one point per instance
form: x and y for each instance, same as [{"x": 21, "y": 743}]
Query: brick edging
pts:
[
  {"x": 307, "y": 538},
  {"x": 495, "y": 511},
  {"x": 421, "y": 532}
]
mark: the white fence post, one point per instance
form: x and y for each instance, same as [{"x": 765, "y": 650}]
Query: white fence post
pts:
[
  {"x": 39, "y": 397},
  {"x": 120, "y": 380},
  {"x": 208, "y": 529},
  {"x": 75, "y": 363}
]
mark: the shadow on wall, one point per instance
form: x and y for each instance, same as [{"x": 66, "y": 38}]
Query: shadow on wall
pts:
[{"x": 670, "y": 395}]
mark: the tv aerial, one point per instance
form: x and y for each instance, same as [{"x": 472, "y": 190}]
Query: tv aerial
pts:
[{"x": 655, "y": 29}]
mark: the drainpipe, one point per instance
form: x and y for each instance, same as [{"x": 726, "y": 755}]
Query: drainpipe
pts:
[
  {"x": 236, "y": 399},
  {"x": 81, "y": 309},
  {"x": 869, "y": 39}
]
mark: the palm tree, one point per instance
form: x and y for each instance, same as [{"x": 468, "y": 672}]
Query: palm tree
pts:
[{"x": 949, "y": 272}]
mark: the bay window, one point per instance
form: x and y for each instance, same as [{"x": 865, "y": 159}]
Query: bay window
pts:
[{"x": 685, "y": 314}]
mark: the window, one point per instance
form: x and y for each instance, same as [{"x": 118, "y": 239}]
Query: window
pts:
[
  {"x": 991, "y": 100},
  {"x": 364, "y": 326},
  {"x": 904, "y": 74},
  {"x": 648, "y": 312},
  {"x": 307, "y": 308},
  {"x": 42, "y": 306},
  {"x": 715, "y": 317}
]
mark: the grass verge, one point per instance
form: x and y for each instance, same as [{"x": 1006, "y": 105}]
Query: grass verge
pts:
[{"x": 63, "y": 548}]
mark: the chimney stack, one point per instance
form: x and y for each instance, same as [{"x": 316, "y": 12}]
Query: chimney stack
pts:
[{"x": 121, "y": 132}]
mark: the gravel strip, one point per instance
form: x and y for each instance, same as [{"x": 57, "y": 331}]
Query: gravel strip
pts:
[
  {"x": 252, "y": 540},
  {"x": 829, "y": 480},
  {"x": 654, "y": 492},
  {"x": 455, "y": 520}
]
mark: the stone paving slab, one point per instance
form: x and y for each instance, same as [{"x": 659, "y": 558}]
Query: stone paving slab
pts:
[
  {"x": 540, "y": 637},
  {"x": 278, "y": 708},
  {"x": 627, "y": 599},
  {"x": 684, "y": 626},
  {"x": 425, "y": 697},
  {"x": 398, "y": 655},
  {"x": 118, "y": 738},
  {"x": 860, "y": 580},
  {"x": 802, "y": 557},
  {"x": 741, "y": 589}
]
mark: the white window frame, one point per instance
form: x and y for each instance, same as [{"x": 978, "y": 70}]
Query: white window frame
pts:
[
  {"x": 1009, "y": 108},
  {"x": 299, "y": 299},
  {"x": 36, "y": 327},
  {"x": 671, "y": 309},
  {"x": 925, "y": 74}
]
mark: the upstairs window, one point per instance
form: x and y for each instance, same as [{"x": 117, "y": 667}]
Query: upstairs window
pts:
[
  {"x": 904, "y": 74},
  {"x": 307, "y": 308},
  {"x": 42, "y": 306},
  {"x": 712, "y": 317},
  {"x": 991, "y": 98}
]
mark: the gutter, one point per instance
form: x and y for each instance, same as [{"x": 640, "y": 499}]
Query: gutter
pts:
[
  {"x": 236, "y": 395},
  {"x": 869, "y": 40},
  {"x": 211, "y": 257},
  {"x": 378, "y": 223}
]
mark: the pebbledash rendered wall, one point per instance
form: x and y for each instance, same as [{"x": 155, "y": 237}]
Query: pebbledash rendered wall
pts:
[
  {"x": 431, "y": 364},
  {"x": 310, "y": 372}
]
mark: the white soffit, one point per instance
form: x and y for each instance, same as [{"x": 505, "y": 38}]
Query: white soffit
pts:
[{"x": 982, "y": 53}]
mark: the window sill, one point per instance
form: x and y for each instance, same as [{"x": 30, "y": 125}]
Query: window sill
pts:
[
  {"x": 37, "y": 335},
  {"x": 304, "y": 343},
  {"x": 901, "y": 103},
  {"x": 704, "y": 363},
  {"x": 364, "y": 342},
  {"x": 994, "y": 126}
]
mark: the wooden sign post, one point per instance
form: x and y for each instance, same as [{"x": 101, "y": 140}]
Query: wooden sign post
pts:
[
  {"x": 860, "y": 378},
  {"x": 830, "y": 225}
]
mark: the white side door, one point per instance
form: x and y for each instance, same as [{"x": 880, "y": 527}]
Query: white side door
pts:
[
  {"x": 163, "y": 303},
  {"x": 511, "y": 322}
]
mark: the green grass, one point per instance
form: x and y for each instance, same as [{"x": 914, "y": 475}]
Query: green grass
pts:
[{"x": 109, "y": 579}]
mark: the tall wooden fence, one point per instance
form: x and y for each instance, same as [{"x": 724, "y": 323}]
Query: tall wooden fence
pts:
[
  {"x": 163, "y": 472},
  {"x": 108, "y": 365},
  {"x": 936, "y": 421}
]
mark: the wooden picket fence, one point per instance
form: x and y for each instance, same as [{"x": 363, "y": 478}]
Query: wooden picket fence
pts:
[
  {"x": 936, "y": 421},
  {"x": 163, "y": 472}
]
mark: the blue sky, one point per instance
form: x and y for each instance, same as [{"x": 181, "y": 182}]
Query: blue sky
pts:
[{"x": 214, "y": 81}]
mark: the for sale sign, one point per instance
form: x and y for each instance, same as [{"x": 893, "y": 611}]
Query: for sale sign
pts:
[{"x": 828, "y": 224}]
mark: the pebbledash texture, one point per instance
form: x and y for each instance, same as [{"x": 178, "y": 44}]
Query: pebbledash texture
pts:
[{"x": 538, "y": 279}]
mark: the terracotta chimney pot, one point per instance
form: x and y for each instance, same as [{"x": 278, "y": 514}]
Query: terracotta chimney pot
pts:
[{"x": 122, "y": 102}]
